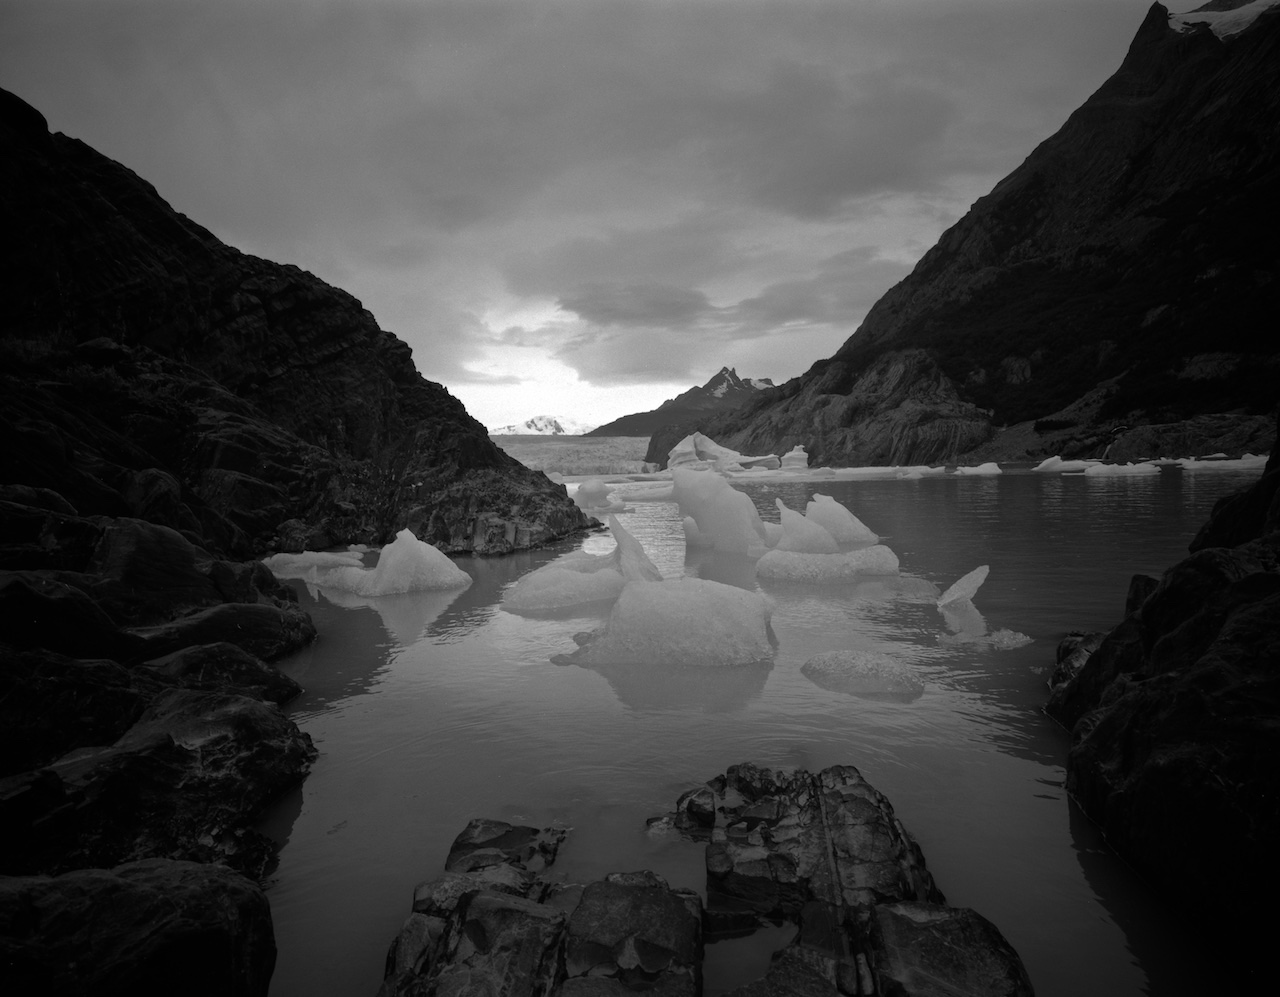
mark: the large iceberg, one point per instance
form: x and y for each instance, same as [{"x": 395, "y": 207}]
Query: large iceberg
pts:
[
  {"x": 687, "y": 623},
  {"x": 580, "y": 579},
  {"x": 795, "y": 459},
  {"x": 837, "y": 520},
  {"x": 717, "y": 515},
  {"x": 827, "y": 569},
  {"x": 594, "y": 497},
  {"x": 803, "y": 535},
  {"x": 407, "y": 564},
  {"x": 702, "y": 452}
]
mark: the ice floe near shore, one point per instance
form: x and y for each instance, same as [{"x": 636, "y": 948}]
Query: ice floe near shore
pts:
[
  {"x": 580, "y": 579},
  {"x": 407, "y": 564}
]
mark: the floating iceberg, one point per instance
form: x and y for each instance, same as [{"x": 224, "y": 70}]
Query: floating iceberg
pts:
[
  {"x": 827, "y": 569},
  {"x": 1058, "y": 464},
  {"x": 407, "y": 564},
  {"x": 580, "y": 579},
  {"x": 701, "y": 452},
  {"x": 594, "y": 497},
  {"x": 716, "y": 514},
  {"x": 990, "y": 467},
  {"x": 861, "y": 672},
  {"x": 795, "y": 459},
  {"x": 837, "y": 520},
  {"x": 688, "y": 623},
  {"x": 966, "y": 586},
  {"x": 803, "y": 535}
]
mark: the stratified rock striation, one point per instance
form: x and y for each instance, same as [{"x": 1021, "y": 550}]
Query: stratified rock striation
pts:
[
  {"x": 1113, "y": 284},
  {"x": 1173, "y": 717},
  {"x": 152, "y": 370},
  {"x": 823, "y": 850}
]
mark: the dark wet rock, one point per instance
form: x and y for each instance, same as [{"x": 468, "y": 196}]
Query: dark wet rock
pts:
[
  {"x": 492, "y": 924},
  {"x": 916, "y": 946},
  {"x": 1073, "y": 651},
  {"x": 40, "y": 611},
  {"x": 51, "y": 704},
  {"x": 185, "y": 781},
  {"x": 784, "y": 839},
  {"x": 1175, "y": 746},
  {"x": 267, "y": 631},
  {"x": 823, "y": 850},
  {"x": 150, "y": 927},
  {"x": 220, "y": 666}
]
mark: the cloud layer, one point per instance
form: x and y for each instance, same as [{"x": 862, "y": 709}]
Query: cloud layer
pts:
[{"x": 584, "y": 206}]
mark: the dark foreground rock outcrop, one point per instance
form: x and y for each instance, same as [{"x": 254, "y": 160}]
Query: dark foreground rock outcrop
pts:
[
  {"x": 150, "y": 927},
  {"x": 1175, "y": 724},
  {"x": 1110, "y": 289},
  {"x": 822, "y": 851},
  {"x": 148, "y": 369}
]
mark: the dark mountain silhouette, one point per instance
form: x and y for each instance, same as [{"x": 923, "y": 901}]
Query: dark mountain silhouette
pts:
[
  {"x": 1115, "y": 289},
  {"x": 151, "y": 370},
  {"x": 726, "y": 390}
]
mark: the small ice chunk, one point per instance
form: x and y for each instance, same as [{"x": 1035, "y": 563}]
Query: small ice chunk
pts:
[
  {"x": 1118, "y": 470},
  {"x": 688, "y": 622},
  {"x": 726, "y": 518},
  {"x": 795, "y": 459},
  {"x": 580, "y": 579},
  {"x": 966, "y": 587},
  {"x": 594, "y": 496},
  {"x": 990, "y": 467},
  {"x": 803, "y": 535},
  {"x": 863, "y": 672},
  {"x": 1050, "y": 464},
  {"x": 827, "y": 569},
  {"x": 407, "y": 564},
  {"x": 837, "y": 520}
]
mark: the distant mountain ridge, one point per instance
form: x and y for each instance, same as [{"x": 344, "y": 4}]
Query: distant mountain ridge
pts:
[
  {"x": 543, "y": 425},
  {"x": 1112, "y": 292},
  {"x": 726, "y": 390}
]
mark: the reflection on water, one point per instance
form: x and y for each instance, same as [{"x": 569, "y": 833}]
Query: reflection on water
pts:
[{"x": 434, "y": 710}]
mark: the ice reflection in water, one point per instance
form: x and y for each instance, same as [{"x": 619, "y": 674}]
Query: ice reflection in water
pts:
[{"x": 469, "y": 718}]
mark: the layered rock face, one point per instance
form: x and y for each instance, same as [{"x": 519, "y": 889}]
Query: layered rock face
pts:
[
  {"x": 1175, "y": 746},
  {"x": 147, "y": 363},
  {"x": 1128, "y": 260}
]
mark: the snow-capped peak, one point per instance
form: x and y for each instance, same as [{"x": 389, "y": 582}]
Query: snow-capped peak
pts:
[
  {"x": 1222, "y": 22},
  {"x": 543, "y": 425}
]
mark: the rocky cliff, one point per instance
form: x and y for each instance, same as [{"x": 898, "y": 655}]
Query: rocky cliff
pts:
[
  {"x": 726, "y": 390},
  {"x": 146, "y": 363},
  {"x": 1119, "y": 279}
]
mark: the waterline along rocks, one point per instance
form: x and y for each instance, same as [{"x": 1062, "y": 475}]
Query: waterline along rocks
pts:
[
  {"x": 823, "y": 852},
  {"x": 152, "y": 370},
  {"x": 1175, "y": 749}
]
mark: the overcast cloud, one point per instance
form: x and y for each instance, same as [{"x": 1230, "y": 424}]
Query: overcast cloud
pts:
[{"x": 577, "y": 208}]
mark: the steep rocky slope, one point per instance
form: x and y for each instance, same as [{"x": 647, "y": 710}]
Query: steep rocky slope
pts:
[
  {"x": 726, "y": 390},
  {"x": 1128, "y": 262},
  {"x": 267, "y": 405}
]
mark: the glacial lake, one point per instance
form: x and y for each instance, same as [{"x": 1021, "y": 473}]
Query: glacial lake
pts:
[{"x": 429, "y": 710}]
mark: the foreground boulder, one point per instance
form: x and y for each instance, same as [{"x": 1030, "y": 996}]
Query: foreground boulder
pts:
[
  {"x": 823, "y": 851},
  {"x": 149, "y": 927},
  {"x": 1175, "y": 746}
]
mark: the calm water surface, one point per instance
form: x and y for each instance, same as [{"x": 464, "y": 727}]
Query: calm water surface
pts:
[{"x": 431, "y": 710}]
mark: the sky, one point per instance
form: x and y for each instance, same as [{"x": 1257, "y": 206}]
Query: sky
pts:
[{"x": 575, "y": 207}]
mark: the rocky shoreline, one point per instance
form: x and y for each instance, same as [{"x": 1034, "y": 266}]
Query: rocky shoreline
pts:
[
  {"x": 1175, "y": 748},
  {"x": 822, "y": 852}
]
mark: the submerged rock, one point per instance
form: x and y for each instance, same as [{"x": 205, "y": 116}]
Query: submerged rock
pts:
[{"x": 861, "y": 672}]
